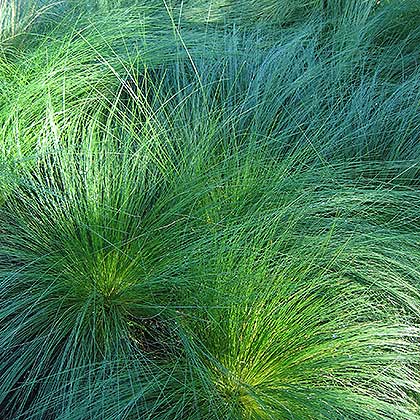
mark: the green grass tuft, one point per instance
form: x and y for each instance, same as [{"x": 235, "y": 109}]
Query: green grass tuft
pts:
[{"x": 209, "y": 211}]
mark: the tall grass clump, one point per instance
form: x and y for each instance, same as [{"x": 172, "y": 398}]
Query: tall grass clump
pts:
[
  {"x": 210, "y": 211},
  {"x": 109, "y": 296},
  {"x": 275, "y": 347},
  {"x": 132, "y": 287}
]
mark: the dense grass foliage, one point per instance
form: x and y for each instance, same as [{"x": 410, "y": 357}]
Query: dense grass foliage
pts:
[{"x": 209, "y": 210}]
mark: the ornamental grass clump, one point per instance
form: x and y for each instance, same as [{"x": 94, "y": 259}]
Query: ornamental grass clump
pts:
[
  {"x": 107, "y": 302},
  {"x": 207, "y": 219},
  {"x": 157, "y": 297},
  {"x": 276, "y": 347}
]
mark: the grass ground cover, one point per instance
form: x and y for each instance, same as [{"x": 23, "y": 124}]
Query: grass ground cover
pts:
[{"x": 209, "y": 210}]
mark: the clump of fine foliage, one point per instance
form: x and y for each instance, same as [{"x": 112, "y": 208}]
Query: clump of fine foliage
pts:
[{"x": 209, "y": 210}]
